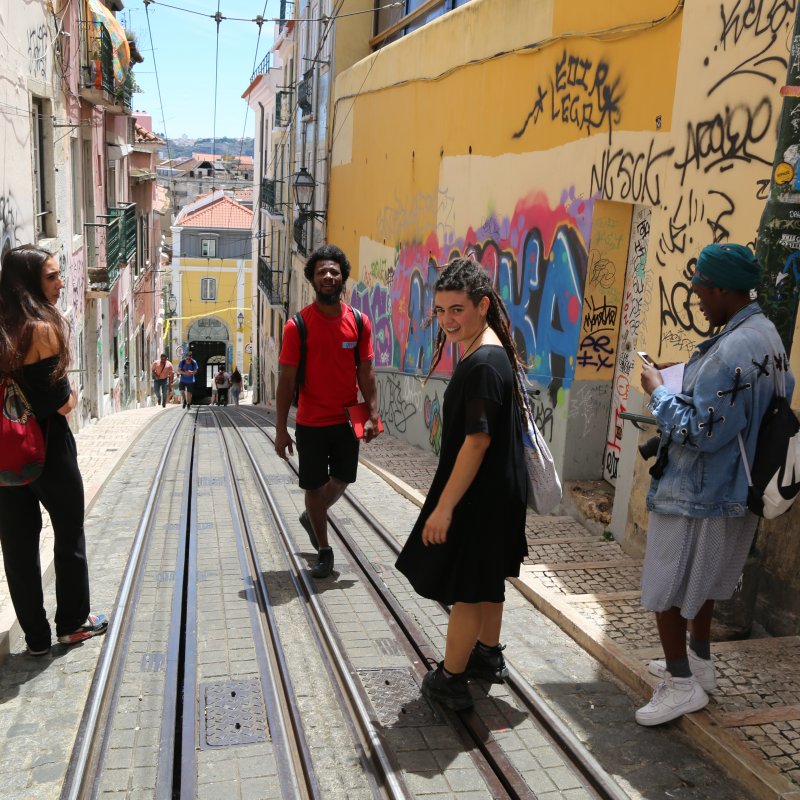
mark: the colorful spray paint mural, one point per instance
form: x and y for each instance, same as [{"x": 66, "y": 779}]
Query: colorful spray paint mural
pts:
[{"x": 537, "y": 259}]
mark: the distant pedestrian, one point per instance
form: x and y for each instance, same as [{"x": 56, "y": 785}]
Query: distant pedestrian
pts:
[
  {"x": 236, "y": 385},
  {"x": 700, "y": 531},
  {"x": 187, "y": 369},
  {"x": 34, "y": 350},
  {"x": 222, "y": 382},
  {"x": 162, "y": 372},
  {"x": 338, "y": 361},
  {"x": 470, "y": 535}
]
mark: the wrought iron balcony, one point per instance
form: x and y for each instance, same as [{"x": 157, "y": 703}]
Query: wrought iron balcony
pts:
[
  {"x": 97, "y": 84},
  {"x": 109, "y": 246},
  {"x": 305, "y": 95},
  {"x": 269, "y": 196},
  {"x": 301, "y": 235},
  {"x": 270, "y": 281},
  {"x": 262, "y": 68}
]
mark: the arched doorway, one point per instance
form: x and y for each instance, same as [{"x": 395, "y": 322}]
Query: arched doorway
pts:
[{"x": 208, "y": 340}]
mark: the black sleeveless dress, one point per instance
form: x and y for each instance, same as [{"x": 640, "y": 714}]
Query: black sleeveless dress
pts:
[{"x": 486, "y": 539}]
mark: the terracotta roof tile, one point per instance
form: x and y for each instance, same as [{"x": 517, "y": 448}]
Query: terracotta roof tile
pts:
[
  {"x": 221, "y": 213},
  {"x": 144, "y": 136}
]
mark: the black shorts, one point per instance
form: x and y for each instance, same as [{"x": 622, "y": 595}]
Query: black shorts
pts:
[{"x": 330, "y": 450}]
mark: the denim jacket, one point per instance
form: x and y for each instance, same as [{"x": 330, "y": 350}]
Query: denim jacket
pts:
[{"x": 727, "y": 385}]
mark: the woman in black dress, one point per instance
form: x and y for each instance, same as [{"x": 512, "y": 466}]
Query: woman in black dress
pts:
[
  {"x": 34, "y": 350},
  {"x": 470, "y": 534}
]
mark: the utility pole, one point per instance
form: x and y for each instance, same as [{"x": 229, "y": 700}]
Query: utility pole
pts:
[{"x": 778, "y": 243}]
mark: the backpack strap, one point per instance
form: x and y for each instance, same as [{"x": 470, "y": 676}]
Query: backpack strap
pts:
[
  {"x": 360, "y": 325},
  {"x": 302, "y": 332}
]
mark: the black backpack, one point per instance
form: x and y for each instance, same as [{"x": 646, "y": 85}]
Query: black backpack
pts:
[
  {"x": 302, "y": 332},
  {"x": 774, "y": 479}
]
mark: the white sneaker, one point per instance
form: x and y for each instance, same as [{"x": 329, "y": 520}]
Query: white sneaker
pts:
[
  {"x": 702, "y": 669},
  {"x": 671, "y": 699}
]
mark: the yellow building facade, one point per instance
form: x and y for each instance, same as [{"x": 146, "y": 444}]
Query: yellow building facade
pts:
[
  {"x": 212, "y": 280},
  {"x": 584, "y": 153}
]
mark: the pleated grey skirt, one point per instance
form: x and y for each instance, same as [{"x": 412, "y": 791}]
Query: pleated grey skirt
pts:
[{"x": 689, "y": 560}]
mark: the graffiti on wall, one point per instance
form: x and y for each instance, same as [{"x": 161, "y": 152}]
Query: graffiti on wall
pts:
[
  {"x": 579, "y": 92},
  {"x": 712, "y": 160},
  {"x": 10, "y": 223},
  {"x": 630, "y": 324},
  {"x": 597, "y": 346},
  {"x": 38, "y": 48},
  {"x": 537, "y": 261}
]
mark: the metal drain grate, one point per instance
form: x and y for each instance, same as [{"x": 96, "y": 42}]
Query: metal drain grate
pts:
[
  {"x": 395, "y": 696},
  {"x": 232, "y": 713}
]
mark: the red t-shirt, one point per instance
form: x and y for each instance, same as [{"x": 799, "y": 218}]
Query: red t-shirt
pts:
[{"x": 330, "y": 381}]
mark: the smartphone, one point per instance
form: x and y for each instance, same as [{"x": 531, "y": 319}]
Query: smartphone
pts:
[{"x": 646, "y": 358}]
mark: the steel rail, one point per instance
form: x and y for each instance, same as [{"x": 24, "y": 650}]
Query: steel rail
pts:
[
  {"x": 392, "y": 783},
  {"x": 501, "y": 777},
  {"x": 293, "y": 755},
  {"x": 583, "y": 760},
  {"x": 82, "y": 769},
  {"x": 577, "y": 752}
]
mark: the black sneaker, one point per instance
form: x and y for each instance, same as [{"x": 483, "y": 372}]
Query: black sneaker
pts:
[
  {"x": 306, "y": 523},
  {"x": 487, "y": 664},
  {"x": 324, "y": 565},
  {"x": 452, "y": 692}
]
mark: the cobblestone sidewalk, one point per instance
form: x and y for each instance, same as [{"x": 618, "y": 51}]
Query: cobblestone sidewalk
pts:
[
  {"x": 590, "y": 588},
  {"x": 101, "y": 447}
]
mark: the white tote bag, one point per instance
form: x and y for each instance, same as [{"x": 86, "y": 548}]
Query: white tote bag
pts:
[{"x": 544, "y": 486}]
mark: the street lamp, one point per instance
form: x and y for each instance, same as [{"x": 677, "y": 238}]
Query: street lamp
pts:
[
  {"x": 240, "y": 320},
  {"x": 304, "y": 185},
  {"x": 172, "y": 304}
]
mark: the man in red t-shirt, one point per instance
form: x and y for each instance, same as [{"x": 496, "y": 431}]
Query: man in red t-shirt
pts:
[{"x": 326, "y": 447}]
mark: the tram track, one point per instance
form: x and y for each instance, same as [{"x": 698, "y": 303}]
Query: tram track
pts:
[
  {"x": 211, "y": 468},
  {"x": 182, "y": 695},
  {"x": 596, "y": 778}
]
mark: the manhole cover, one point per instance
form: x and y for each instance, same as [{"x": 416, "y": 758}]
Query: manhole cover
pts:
[
  {"x": 231, "y": 713},
  {"x": 396, "y": 698}
]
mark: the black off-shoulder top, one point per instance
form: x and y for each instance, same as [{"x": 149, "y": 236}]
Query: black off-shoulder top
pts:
[{"x": 44, "y": 396}]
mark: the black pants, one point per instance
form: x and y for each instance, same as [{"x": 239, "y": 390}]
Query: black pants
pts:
[{"x": 60, "y": 491}]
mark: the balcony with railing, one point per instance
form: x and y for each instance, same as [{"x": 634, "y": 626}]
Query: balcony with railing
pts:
[
  {"x": 301, "y": 235},
  {"x": 97, "y": 82},
  {"x": 270, "y": 281},
  {"x": 305, "y": 94},
  {"x": 110, "y": 245},
  {"x": 270, "y": 200},
  {"x": 262, "y": 68}
]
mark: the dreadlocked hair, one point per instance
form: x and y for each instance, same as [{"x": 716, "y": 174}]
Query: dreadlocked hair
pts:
[{"x": 467, "y": 275}]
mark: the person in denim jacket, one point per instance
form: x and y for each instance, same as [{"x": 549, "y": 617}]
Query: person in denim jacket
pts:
[{"x": 700, "y": 531}]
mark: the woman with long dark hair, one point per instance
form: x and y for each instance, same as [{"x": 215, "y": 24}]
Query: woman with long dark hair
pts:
[
  {"x": 34, "y": 350},
  {"x": 470, "y": 534},
  {"x": 236, "y": 384}
]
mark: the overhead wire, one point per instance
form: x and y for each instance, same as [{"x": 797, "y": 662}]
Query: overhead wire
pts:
[{"x": 261, "y": 19}]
